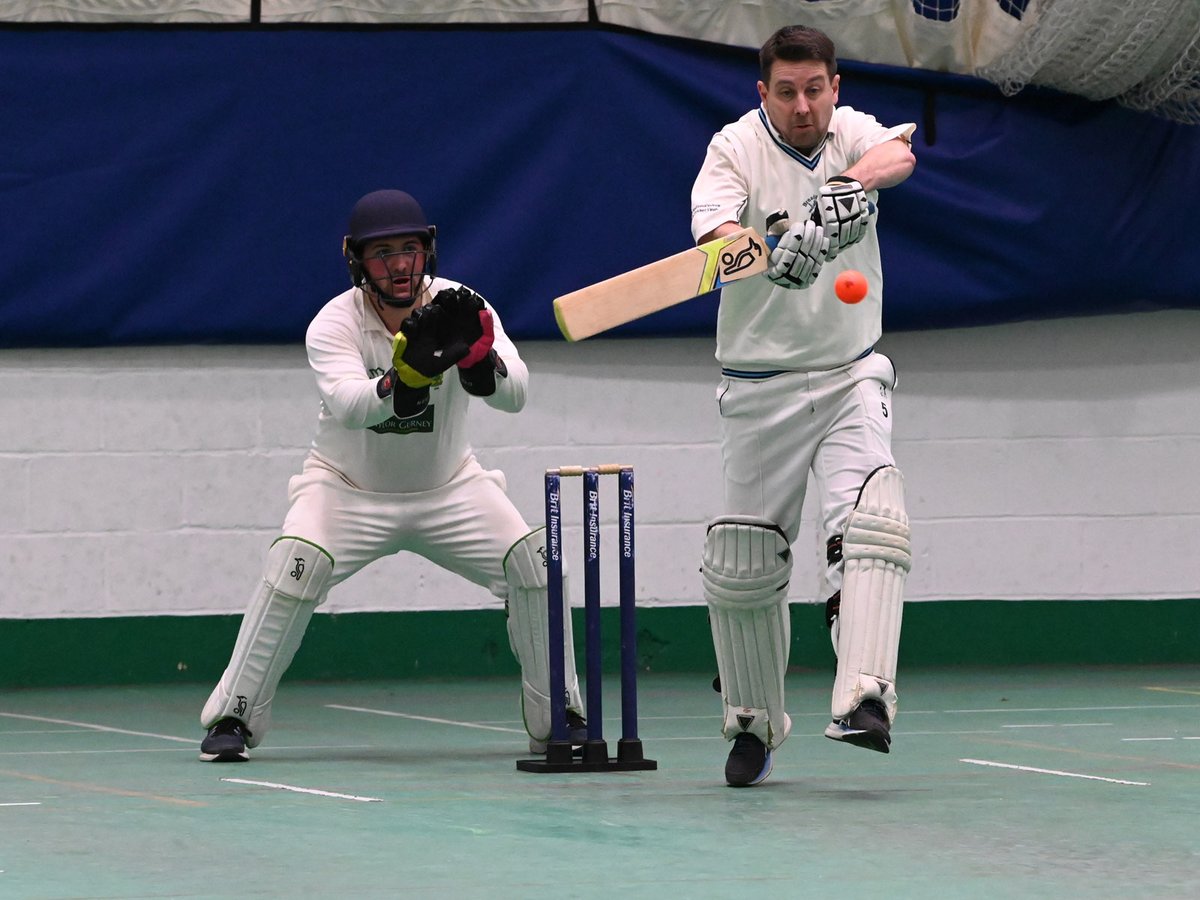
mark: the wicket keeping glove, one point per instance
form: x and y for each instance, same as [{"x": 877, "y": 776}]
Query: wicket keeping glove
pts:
[
  {"x": 469, "y": 321},
  {"x": 797, "y": 259},
  {"x": 480, "y": 379},
  {"x": 843, "y": 211},
  {"x": 419, "y": 350},
  {"x": 406, "y": 401}
]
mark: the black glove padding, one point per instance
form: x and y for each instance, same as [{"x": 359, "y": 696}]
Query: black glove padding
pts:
[
  {"x": 462, "y": 307},
  {"x": 420, "y": 351},
  {"x": 408, "y": 402},
  {"x": 480, "y": 379},
  {"x": 469, "y": 321}
]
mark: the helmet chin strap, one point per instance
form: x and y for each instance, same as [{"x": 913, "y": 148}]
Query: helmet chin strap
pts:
[{"x": 395, "y": 302}]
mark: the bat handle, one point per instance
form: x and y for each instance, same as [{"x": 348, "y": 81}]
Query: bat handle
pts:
[{"x": 777, "y": 225}]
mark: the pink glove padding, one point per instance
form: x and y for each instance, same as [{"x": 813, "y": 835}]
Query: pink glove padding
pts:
[{"x": 482, "y": 347}]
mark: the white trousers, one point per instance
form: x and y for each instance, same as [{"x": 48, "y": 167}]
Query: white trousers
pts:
[
  {"x": 836, "y": 424},
  {"x": 465, "y": 526}
]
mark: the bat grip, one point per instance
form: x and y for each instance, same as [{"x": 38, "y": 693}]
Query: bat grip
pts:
[{"x": 777, "y": 224}]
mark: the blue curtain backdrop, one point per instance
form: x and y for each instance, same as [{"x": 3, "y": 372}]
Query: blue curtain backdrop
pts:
[{"x": 164, "y": 186}]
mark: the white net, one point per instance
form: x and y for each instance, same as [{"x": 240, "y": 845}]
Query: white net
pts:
[{"x": 1145, "y": 55}]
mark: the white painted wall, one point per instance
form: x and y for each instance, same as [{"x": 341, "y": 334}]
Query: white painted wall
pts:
[{"x": 1051, "y": 460}]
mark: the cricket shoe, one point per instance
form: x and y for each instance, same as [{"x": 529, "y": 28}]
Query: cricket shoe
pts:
[
  {"x": 226, "y": 742},
  {"x": 867, "y": 726},
  {"x": 749, "y": 761},
  {"x": 576, "y": 733}
]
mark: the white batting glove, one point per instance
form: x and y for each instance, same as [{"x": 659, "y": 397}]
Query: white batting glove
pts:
[
  {"x": 843, "y": 211},
  {"x": 796, "y": 261}
]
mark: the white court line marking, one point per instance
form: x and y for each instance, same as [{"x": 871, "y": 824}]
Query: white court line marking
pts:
[
  {"x": 94, "y": 727},
  {"x": 1032, "y": 709},
  {"x": 1064, "y": 725},
  {"x": 998, "y": 765},
  {"x": 273, "y": 748},
  {"x": 91, "y": 752},
  {"x": 437, "y": 721},
  {"x": 300, "y": 790},
  {"x": 33, "y": 803},
  {"x": 1149, "y": 739},
  {"x": 1161, "y": 739}
]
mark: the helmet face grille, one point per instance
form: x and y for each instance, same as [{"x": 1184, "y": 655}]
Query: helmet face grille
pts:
[{"x": 383, "y": 214}]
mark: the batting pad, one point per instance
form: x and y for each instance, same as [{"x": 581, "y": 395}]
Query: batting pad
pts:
[
  {"x": 746, "y": 566},
  {"x": 529, "y": 632},
  {"x": 877, "y": 556},
  {"x": 294, "y": 582}
]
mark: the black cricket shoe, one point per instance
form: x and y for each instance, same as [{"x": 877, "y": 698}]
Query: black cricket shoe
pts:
[
  {"x": 749, "y": 761},
  {"x": 576, "y": 733},
  {"x": 867, "y": 726},
  {"x": 226, "y": 742}
]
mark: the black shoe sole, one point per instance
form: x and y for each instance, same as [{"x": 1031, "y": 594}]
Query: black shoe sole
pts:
[
  {"x": 865, "y": 739},
  {"x": 225, "y": 756}
]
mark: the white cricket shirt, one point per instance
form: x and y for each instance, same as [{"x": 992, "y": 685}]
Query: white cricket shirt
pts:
[
  {"x": 358, "y": 436},
  {"x": 749, "y": 172}
]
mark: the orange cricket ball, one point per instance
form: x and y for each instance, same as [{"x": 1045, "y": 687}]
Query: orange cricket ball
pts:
[{"x": 850, "y": 286}]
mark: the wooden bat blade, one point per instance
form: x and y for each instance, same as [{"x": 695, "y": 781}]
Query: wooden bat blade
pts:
[{"x": 658, "y": 285}]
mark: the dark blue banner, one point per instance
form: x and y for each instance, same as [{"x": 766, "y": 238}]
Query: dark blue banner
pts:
[{"x": 192, "y": 185}]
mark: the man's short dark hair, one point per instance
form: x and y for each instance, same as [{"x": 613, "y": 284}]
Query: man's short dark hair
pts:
[{"x": 797, "y": 43}]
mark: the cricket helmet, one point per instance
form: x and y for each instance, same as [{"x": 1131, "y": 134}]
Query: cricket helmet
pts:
[{"x": 386, "y": 213}]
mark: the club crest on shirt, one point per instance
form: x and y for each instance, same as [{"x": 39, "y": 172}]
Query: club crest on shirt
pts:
[{"x": 419, "y": 424}]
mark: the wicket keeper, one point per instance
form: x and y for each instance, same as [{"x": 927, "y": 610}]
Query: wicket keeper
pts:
[{"x": 397, "y": 359}]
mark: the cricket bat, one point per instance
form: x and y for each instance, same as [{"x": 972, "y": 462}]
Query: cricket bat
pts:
[{"x": 658, "y": 285}]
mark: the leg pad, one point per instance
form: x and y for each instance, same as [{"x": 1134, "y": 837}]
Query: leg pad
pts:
[
  {"x": 745, "y": 570},
  {"x": 877, "y": 557}
]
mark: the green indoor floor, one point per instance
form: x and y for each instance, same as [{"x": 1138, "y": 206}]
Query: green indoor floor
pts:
[{"x": 1001, "y": 783}]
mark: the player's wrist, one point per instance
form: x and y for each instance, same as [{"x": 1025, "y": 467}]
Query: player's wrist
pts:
[
  {"x": 479, "y": 380},
  {"x": 410, "y": 377},
  {"x": 408, "y": 402},
  {"x": 386, "y": 384}
]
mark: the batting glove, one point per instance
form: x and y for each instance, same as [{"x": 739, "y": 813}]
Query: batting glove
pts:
[
  {"x": 796, "y": 261},
  {"x": 843, "y": 211}
]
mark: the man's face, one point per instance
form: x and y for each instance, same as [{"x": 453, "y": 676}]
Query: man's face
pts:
[
  {"x": 394, "y": 265},
  {"x": 799, "y": 101}
]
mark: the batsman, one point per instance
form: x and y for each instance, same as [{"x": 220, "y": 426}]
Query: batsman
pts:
[
  {"x": 397, "y": 358},
  {"x": 803, "y": 391}
]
